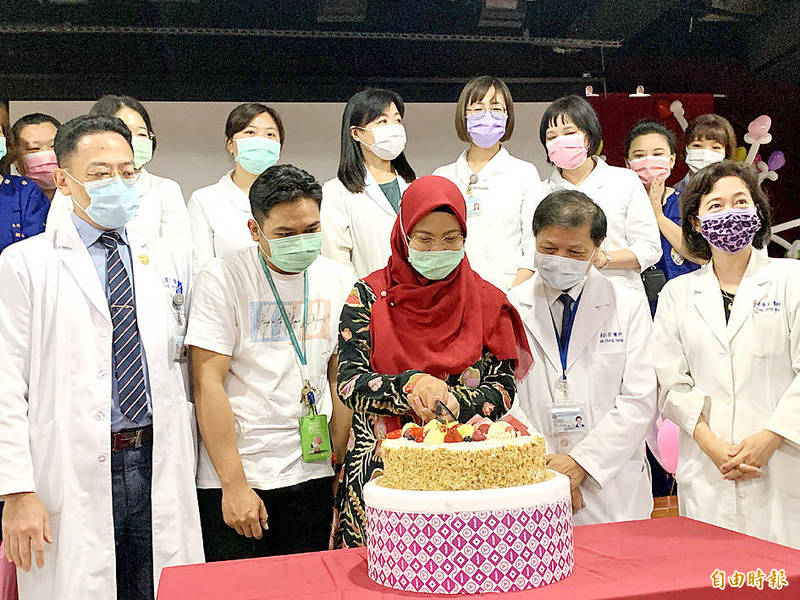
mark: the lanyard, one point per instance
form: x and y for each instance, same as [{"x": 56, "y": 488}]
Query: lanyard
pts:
[
  {"x": 301, "y": 354},
  {"x": 562, "y": 350}
]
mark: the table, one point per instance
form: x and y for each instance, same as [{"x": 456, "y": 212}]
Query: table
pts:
[{"x": 658, "y": 558}]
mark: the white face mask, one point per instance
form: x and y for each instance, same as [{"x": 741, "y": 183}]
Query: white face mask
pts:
[
  {"x": 390, "y": 141},
  {"x": 697, "y": 158},
  {"x": 561, "y": 273}
]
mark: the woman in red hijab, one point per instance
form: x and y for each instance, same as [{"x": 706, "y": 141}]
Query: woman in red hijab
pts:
[{"x": 424, "y": 329}]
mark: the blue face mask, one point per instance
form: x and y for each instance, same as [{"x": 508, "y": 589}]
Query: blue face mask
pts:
[
  {"x": 257, "y": 154},
  {"x": 2, "y": 147},
  {"x": 113, "y": 202}
]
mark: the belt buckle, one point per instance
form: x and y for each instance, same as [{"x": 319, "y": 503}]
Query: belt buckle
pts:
[{"x": 137, "y": 438}]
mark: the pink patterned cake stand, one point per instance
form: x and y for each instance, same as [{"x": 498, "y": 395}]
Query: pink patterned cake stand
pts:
[{"x": 494, "y": 540}]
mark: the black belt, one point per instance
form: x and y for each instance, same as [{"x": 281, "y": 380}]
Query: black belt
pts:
[{"x": 131, "y": 438}]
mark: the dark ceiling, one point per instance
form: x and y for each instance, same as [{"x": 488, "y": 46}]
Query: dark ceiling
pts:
[{"x": 322, "y": 50}]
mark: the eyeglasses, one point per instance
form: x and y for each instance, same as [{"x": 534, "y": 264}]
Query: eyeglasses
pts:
[
  {"x": 128, "y": 175},
  {"x": 453, "y": 241},
  {"x": 476, "y": 112}
]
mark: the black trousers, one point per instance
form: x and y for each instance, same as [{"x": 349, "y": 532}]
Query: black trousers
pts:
[{"x": 299, "y": 519}]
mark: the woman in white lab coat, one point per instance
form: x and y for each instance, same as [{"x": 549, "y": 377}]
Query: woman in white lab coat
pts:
[
  {"x": 218, "y": 213},
  {"x": 162, "y": 208},
  {"x": 501, "y": 191},
  {"x": 360, "y": 205},
  {"x": 571, "y": 135},
  {"x": 728, "y": 339}
]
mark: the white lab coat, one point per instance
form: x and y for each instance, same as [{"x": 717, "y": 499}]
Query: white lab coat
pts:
[
  {"x": 218, "y": 216},
  {"x": 610, "y": 367},
  {"x": 743, "y": 378},
  {"x": 500, "y": 238},
  {"x": 356, "y": 227},
  {"x": 631, "y": 221},
  {"x": 55, "y": 408},
  {"x": 162, "y": 210}
]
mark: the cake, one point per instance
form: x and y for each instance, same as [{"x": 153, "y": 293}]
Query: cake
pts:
[
  {"x": 467, "y": 508},
  {"x": 508, "y": 457}
]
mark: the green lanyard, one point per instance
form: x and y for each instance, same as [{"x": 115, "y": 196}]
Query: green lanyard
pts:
[{"x": 301, "y": 354}]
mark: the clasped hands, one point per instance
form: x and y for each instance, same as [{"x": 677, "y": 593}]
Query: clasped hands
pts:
[
  {"x": 742, "y": 461},
  {"x": 427, "y": 392}
]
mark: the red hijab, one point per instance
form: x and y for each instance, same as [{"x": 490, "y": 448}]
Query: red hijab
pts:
[{"x": 439, "y": 327}]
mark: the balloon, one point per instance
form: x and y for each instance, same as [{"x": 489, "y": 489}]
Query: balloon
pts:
[
  {"x": 663, "y": 109},
  {"x": 668, "y": 445},
  {"x": 759, "y": 127},
  {"x": 758, "y": 159},
  {"x": 740, "y": 154},
  {"x": 776, "y": 160},
  {"x": 599, "y": 148}
]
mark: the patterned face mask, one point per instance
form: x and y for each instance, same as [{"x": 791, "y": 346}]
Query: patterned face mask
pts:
[{"x": 730, "y": 231}]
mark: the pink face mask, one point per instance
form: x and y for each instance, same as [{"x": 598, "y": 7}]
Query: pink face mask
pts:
[
  {"x": 567, "y": 151},
  {"x": 651, "y": 168},
  {"x": 39, "y": 167}
]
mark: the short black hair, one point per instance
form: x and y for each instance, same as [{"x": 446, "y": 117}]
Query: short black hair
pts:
[
  {"x": 361, "y": 109},
  {"x": 701, "y": 185},
  {"x": 280, "y": 184},
  {"x": 580, "y": 112},
  {"x": 241, "y": 116},
  {"x": 109, "y": 105},
  {"x": 571, "y": 209},
  {"x": 647, "y": 127},
  {"x": 31, "y": 119},
  {"x": 70, "y": 133}
]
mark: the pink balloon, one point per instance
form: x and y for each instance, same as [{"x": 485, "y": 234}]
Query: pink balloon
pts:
[
  {"x": 668, "y": 445},
  {"x": 759, "y": 126},
  {"x": 776, "y": 160}
]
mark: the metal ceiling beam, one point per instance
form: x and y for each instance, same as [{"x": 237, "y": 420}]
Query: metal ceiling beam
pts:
[{"x": 24, "y": 29}]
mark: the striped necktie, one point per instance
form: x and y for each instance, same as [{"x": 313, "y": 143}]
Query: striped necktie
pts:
[{"x": 128, "y": 367}]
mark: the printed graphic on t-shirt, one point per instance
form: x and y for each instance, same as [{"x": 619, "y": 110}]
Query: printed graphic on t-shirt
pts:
[{"x": 267, "y": 326}]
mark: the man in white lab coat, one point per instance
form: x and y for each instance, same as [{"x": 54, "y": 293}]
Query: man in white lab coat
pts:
[
  {"x": 592, "y": 389},
  {"x": 97, "y": 454}
]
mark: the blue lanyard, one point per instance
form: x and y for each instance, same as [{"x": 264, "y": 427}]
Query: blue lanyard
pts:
[
  {"x": 562, "y": 350},
  {"x": 301, "y": 354}
]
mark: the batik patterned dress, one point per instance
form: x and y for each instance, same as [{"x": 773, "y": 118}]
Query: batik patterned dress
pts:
[{"x": 379, "y": 404}]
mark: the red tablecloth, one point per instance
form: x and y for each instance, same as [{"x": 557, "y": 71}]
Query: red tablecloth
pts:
[{"x": 658, "y": 558}]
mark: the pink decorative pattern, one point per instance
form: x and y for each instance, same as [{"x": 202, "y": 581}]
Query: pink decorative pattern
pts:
[{"x": 470, "y": 552}]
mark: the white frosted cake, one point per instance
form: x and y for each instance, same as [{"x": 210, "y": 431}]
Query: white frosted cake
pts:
[{"x": 467, "y": 508}]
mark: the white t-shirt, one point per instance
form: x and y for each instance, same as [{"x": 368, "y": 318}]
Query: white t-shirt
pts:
[{"x": 234, "y": 313}]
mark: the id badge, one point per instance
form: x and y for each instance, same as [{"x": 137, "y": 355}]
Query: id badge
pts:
[
  {"x": 473, "y": 206},
  {"x": 315, "y": 438},
  {"x": 568, "y": 419},
  {"x": 177, "y": 348}
]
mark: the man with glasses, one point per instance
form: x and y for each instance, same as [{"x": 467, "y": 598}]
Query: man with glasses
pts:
[{"x": 97, "y": 453}]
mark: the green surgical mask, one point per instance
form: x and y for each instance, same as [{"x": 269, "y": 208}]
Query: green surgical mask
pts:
[
  {"x": 435, "y": 264},
  {"x": 142, "y": 151},
  {"x": 257, "y": 154},
  {"x": 294, "y": 254}
]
